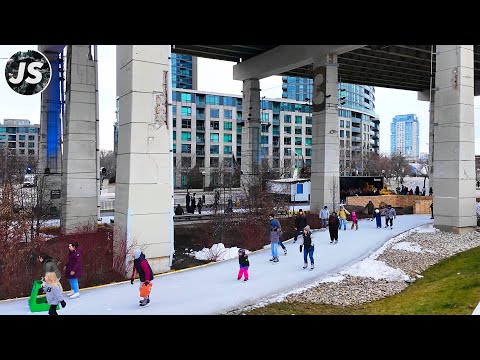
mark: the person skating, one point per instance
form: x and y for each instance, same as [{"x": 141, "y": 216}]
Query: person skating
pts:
[
  {"x": 306, "y": 241},
  {"x": 244, "y": 265},
  {"x": 324, "y": 215},
  {"x": 378, "y": 218},
  {"x": 333, "y": 226},
  {"x": 74, "y": 269},
  {"x": 145, "y": 273},
  {"x": 370, "y": 209},
  {"x": 275, "y": 230},
  {"x": 390, "y": 214},
  {"x": 342, "y": 214},
  {"x": 300, "y": 223},
  {"x": 54, "y": 292},
  {"x": 354, "y": 220}
]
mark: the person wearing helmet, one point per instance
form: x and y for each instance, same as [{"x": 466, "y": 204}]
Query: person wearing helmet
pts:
[{"x": 145, "y": 273}]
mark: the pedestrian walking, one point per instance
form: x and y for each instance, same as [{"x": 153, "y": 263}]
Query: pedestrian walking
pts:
[
  {"x": 370, "y": 210},
  {"x": 199, "y": 206},
  {"x": 431, "y": 210},
  {"x": 244, "y": 265}
]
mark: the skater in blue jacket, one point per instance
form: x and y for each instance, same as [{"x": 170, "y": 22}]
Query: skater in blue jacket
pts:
[{"x": 378, "y": 218}]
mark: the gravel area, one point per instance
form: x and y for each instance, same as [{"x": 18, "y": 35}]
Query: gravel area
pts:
[{"x": 408, "y": 254}]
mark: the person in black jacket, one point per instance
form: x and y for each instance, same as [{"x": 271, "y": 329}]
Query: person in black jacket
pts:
[
  {"x": 145, "y": 273},
  {"x": 308, "y": 247},
  {"x": 333, "y": 224},
  {"x": 244, "y": 264},
  {"x": 179, "y": 210},
  {"x": 300, "y": 223}
]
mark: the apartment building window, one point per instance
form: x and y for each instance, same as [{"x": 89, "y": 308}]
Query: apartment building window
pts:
[
  {"x": 287, "y": 129},
  {"x": 308, "y": 152},
  {"x": 214, "y": 149},
  {"x": 298, "y": 131},
  {"x": 298, "y": 152},
  {"x": 265, "y": 116},
  {"x": 214, "y": 113},
  {"x": 31, "y": 152},
  {"x": 186, "y": 124},
  {"x": 227, "y": 138},
  {"x": 298, "y": 119},
  {"x": 342, "y": 123},
  {"x": 21, "y": 144},
  {"x": 31, "y": 145},
  {"x": 287, "y": 119},
  {"x": 227, "y": 125},
  {"x": 186, "y": 97},
  {"x": 186, "y": 136},
  {"x": 298, "y": 141},
  {"x": 214, "y": 162},
  {"x": 214, "y": 125},
  {"x": 227, "y": 150},
  {"x": 20, "y": 137},
  {"x": 186, "y": 111},
  {"x": 308, "y": 131},
  {"x": 186, "y": 148},
  {"x": 264, "y": 139},
  {"x": 214, "y": 138},
  {"x": 308, "y": 120},
  {"x": 30, "y": 137},
  {"x": 287, "y": 151},
  {"x": 287, "y": 141},
  {"x": 308, "y": 141},
  {"x": 174, "y": 135},
  {"x": 227, "y": 114},
  {"x": 264, "y": 128}
]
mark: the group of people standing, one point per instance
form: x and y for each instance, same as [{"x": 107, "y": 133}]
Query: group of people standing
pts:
[{"x": 51, "y": 276}]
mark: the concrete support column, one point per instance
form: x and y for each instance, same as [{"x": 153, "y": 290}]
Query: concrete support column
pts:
[
  {"x": 325, "y": 141},
  {"x": 79, "y": 177},
  {"x": 50, "y": 152},
  {"x": 144, "y": 187},
  {"x": 431, "y": 144},
  {"x": 454, "y": 141},
  {"x": 250, "y": 133}
]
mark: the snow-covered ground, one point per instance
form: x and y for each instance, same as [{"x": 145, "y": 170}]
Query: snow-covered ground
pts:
[{"x": 214, "y": 289}]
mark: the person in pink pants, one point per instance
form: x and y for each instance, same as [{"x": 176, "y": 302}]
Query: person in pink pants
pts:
[{"x": 244, "y": 264}]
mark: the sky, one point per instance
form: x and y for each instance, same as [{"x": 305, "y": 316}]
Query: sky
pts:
[
  {"x": 216, "y": 76},
  {"x": 213, "y": 288}
]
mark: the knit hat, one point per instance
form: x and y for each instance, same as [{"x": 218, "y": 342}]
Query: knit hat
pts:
[
  {"x": 307, "y": 228},
  {"x": 377, "y": 211},
  {"x": 136, "y": 253}
]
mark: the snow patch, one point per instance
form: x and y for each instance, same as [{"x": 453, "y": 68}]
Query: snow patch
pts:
[
  {"x": 408, "y": 246},
  {"x": 218, "y": 252},
  {"x": 333, "y": 278},
  {"x": 376, "y": 270}
]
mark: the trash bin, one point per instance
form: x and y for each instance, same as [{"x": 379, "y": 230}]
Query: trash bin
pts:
[{"x": 38, "y": 303}]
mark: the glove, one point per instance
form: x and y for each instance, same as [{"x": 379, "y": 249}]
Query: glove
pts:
[
  {"x": 131, "y": 281},
  {"x": 301, "y": 248},
  {"x": 63, "y": 303},
  {"x": 146, "y": 283}
]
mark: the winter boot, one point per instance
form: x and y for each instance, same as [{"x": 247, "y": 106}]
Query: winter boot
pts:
[
  {"x": 285, "y": 251},
  {"x": 305, "y": 265},
  {"x": 311, "y": 267},
  {"x": 272, "y": 259}
]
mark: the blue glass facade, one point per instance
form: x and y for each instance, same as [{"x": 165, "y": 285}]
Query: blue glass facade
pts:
[
  {"x": 357, "y": 97},
  {"x": 182, "y": 71},
  {"x": 404, "y": 136}
]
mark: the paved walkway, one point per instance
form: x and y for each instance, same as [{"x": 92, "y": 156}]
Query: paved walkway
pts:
[{"x": 214, "y": 289}]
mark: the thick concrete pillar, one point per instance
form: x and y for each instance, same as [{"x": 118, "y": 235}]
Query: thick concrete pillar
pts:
[
  {"x": 250, "y": 133},
  {"x": 454, "y": 141},
  {"x": 79, "y": 178},
  {"x": 431, "y": 143},
  {"x": 50, "y": 152},
  {"x": 325, "y": 141},
  {"x": 144, "y": 187}
]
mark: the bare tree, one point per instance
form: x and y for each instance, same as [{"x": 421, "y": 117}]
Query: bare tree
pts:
[{"x": 108, "y": 160}]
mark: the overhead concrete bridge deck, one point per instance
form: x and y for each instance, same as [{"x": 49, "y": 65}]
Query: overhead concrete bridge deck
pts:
[{"x": 445, "y": 75}]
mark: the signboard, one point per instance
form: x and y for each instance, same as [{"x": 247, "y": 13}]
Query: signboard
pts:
[{"x": 55, "y": 194}]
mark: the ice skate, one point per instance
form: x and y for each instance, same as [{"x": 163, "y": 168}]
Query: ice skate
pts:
[
  {"x": 305, "y": 265},
  {"x": 312, "y": 266}
]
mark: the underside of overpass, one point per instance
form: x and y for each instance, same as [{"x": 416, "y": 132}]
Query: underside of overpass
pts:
[{"x": 405, "y": 67}]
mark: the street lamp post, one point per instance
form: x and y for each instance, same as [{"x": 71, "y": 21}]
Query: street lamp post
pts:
[{"x": 424, "y": 172}]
